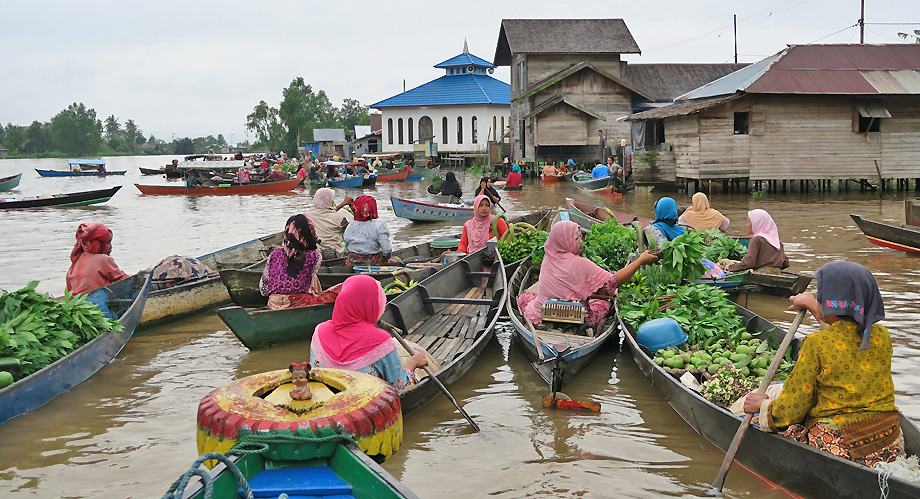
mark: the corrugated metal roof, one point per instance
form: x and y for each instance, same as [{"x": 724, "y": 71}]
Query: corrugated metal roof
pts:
[
  {"x": 465, "y": 59},
  {"x": 872, "y": 109},
  {"x": 362, "y": 130},
  {"x": 453, "y": 90},
  {"x": 894, "y": 82},
  {"x": 731, "y": 83},
  {"x": 328, "y": 135},
  {"x": 683, "y": 108},
  {"x": 665, "y": 82}
]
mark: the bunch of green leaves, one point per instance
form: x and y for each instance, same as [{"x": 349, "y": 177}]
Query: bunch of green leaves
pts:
[
  {"x": 609, "y": 244},
  {"x": 38, "y": 330},
  {"x": 721, "y": 246},
  {"x": 522, "y": 245},
  {"x": 681, "y": 257}
]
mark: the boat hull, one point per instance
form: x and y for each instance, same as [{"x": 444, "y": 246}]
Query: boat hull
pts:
[
  {"x": 800, "y": 468},
  {"x": 889, "y": 235},
  {"x": 392, "y": 177},
  {"x": 369, "y": 180},
  {"x": 348, "y": 182},
  {"x": 266, "y": 188},
  {"x": 60, "y": 173},
  {"x": 260, "y": 329},
  {"x": 588, "y": 183},
  {"x": 124, "y": 299},
  {"x": 9, "y": 183},
  {"x": 65, "y": 200},
  {"x": 427, "y": 212},
  {"x": 785, "y": 285},
  {"x": 152, "y": 171}
]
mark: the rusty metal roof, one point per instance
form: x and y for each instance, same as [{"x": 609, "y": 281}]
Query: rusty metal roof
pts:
[{"x": 826, "y": 69}]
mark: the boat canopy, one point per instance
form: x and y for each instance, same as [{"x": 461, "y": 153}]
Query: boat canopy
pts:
[
  {"x": 95, "y": 162},
  {"x": 376, "y": 155}
]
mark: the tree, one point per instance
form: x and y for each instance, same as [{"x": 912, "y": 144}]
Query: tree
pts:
[
  {"x": 265, "y": 123},
  {"x": 131, "y": 132},
  {"x": 352, "y": 113},
  {"x": 112, "y": 127},
  {"x": 15, "y": 138},
  {"x": 907, "y": 36},
  {"x": 40, "y": 137},
  {"x": 221, "y": 141},
  {"x": 302, "y": 110},
  {"x": 184, "y": 145},
  {"x": 77, "y": 131}
]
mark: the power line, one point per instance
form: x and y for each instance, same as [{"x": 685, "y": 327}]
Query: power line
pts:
[
  {"x": 834, "y": 33},
  {"x": 894, "y": 24}
]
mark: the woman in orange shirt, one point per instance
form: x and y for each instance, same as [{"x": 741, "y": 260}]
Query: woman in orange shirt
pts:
[{"x": 91, "y": 266}]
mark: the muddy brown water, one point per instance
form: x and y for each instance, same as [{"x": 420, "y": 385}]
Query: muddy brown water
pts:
[{"x": 129, "y": 431}]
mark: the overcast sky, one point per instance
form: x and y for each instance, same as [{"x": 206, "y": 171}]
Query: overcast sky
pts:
[{"x": 198, "y": 67}]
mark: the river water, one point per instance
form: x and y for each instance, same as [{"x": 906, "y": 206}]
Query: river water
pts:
[{"x": 129, "y": 431}]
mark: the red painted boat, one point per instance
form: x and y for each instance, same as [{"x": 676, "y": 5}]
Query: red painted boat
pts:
[
  {"x": 552, "y": 178},
  {"x": 392, "y": 177},
  {"x": 255, "y": 188}
]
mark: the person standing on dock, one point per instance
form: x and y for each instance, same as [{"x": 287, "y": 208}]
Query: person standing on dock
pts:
[{"x": 601, "y": 146}]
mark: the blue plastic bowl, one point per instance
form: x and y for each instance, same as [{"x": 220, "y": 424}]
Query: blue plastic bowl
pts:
[{"x": 659, "y": 333}]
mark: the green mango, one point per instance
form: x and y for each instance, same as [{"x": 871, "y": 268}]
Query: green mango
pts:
[{"x": 6, "y": 379}]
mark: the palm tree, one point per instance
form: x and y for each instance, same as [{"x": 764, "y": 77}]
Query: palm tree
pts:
[
  {"x": 111, "y": 125},
  {"x": 907, "y": 36}
]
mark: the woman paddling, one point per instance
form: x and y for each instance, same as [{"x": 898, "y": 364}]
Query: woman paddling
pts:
[
  {"x": 289, "y": 276},
  {"x": 367, "y": 239},
  {"x": 91, "y": 266},
  {"x": 840, "y": 395},
  {"x": 478, "y": 230}
]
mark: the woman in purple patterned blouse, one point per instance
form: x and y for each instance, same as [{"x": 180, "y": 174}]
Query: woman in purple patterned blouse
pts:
[{"x": 288, "y": 278}]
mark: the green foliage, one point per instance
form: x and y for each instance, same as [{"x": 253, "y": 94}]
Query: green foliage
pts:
[
  {"x": 352, "y": 113},
  {"x": 721, "y": 246},
  {"x": 477, "y": 169},
  {"x": 37, "y": 329},
  {"x": 40, "y": 137},
  {"x": 680, "y": 257},
  {"x": 520, "y": 246},
  {"x": 77, "y": 131},
  {"x": 15, "y": 138},
  {"x": 609, "y": 244}
]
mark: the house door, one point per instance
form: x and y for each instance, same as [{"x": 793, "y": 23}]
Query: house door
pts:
[{"x": 425, "y": 128}]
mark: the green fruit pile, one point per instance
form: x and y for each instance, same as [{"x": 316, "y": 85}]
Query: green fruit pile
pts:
[
  {"x": 519, "y": 241},
  {"x": 750, "y": 356},
  {"x": 398, "y": 286}
]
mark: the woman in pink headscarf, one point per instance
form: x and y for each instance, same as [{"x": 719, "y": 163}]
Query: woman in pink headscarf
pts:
[
  {"x": 765, "y": 251},
  {"x": 478, "y": 230},
  {"x": 351, "y": 340},
  {"x": 91, "y": 266},
  {"x": 565, "y": 275}
]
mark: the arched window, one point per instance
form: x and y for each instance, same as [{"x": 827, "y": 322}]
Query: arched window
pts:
[
  {"x": 425, "y": 128},
  {"x": 444, "y": 130},
  {"x": 494, "y": 130},
  {"x": 411, "y": 132},
  {"x": 390, "y": 131},
  {"x": 475, "y": 131},
  {"x": 400, "y": 126},
  {"x": 459, "y": 129}
]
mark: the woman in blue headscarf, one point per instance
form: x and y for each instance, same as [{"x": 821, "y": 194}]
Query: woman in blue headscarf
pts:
[{"x": 665, "y": 226}]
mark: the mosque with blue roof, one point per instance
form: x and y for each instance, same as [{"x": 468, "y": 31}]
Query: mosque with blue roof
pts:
[{"x": 462, "y": 111}]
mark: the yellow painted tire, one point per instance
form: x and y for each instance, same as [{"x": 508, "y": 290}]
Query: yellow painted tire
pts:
[{"x": 361, "y": 406}]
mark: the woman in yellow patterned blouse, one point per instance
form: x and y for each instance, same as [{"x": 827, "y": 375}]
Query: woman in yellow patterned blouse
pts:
[{"x": 840, "y": 397}]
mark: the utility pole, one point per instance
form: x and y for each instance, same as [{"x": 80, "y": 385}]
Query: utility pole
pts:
[
  {"x": 862, "y": 21},
  {"x": 736, "y": 37}
]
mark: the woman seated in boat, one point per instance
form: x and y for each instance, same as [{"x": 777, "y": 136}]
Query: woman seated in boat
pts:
[
  {"x": 302, "y": 171},
  {"x": 450, "y": 186},
  {"x": 478, "y": 230},
  {"x": 329, "y": 221},
  {"x": 276, "y": 174},
  {"x": 765, "y": 251},
  {"x": 665, "y": 227},
  {"x": 331, "y": 172},
  {"x": 91, "y": 265},
  {"x": 701, "y": 216},
  {"x": 485, "y": 187},
  {"x": 242, "y": 176},
  {"x": 549, "y": 171},
  {"x": 565, "y": 275},
  {"x": 352, "y": 341},
  {"x": 367, "y": 240},
  {"x": 514, "y": 177},
  {"x": 288, "y": 279},
  {"x": 193, "y": 180},
  {"x": 840, "y": 395}
]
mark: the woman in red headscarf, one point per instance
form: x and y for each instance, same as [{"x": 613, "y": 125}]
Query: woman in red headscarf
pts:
[
  {"x": 366, "y": 239},
  {"x": 289, "y": 279},
  {"x": 478, "y": 230},
  {"x": 91, "y": 266},
  {"x": 352, "y": 341}
]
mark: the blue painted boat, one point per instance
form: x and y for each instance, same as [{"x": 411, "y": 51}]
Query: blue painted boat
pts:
[
  {"x": 427, "y": 212},
  {"x": 355, "y": 181},
  {"x": 124, "y": 299},
  {"x": 369, "y": 180},
  {"x": 96, "y": 168},
  {"x": 585, "y": 182},
  {"x": 415, "y": 177},
  {"x": 8, "y": 183}
]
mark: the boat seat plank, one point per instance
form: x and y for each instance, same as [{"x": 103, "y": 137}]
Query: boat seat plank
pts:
[
  {"x": 444, "y": 347},
  {"x": 434, "y": 324},
  {"x": 461, "y": 301},
  {"x": 460, "y": 347},
  {"x": 454, "y": 308},
  {"x": 563, "y": 338}
]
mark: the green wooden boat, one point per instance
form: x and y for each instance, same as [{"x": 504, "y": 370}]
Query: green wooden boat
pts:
[{"x": 329, "y": 469}]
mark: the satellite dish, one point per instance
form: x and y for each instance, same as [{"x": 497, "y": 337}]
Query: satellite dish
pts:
[
  {"x": 491, "y": 70},
  {"x": 469, "y": 69}
]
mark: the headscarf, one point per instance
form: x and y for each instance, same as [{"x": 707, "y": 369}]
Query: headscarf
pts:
[
  {"x": 324, "y": 198},
  {"x": 666, "y": 218},
  {"x": 571, "y": 162},
  {"x": 762, "y": 225},
  {"x": 91, "y": 238},
  {"x": 515, "y": 168},
  {"x": 365, "y": 208},
  {"x": 276, "y": 167},
  {"x": 299, "y": 238},
  {"x": 549, "y": 170},
  {"x": 564, "y": 274},
  {"x": 477, "y": 228},
  {"x": 450, "y": 186},
  {"x": 352, "y": 334},
  {"x": 700, "y": 216},
  {"x": 849, "y": 289}
]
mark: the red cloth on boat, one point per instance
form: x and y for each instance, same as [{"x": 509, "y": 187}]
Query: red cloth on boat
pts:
[
  {"x": 293, "y": 300},
  {"x": 352, "y": 332}
]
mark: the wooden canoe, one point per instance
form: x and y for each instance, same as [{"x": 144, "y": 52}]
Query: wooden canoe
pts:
[
  {"x": 784, "y": 285},
  {"x": 585, "y": 182},
  {"x": 152, "y": 171},
  {"x": 9, "y": 183},
  {"x": 340, "y": 466},
  {"x": 63, "y": 200},
  {"x": 62, "y": 173},
  {"x": 890, "y": 235},
  {"x": 799, "y": 468},
  {"x": 587, "y": 215},
  {"x": 123, "y": 300},
  {"x": 253, "y": 188},
  {"x": 552, "y": 178},
  {"x": 355, "y": 181},
  {"x": 260, "y": 328},
  {"x": 392, "y": 177},
  {"x": 563, "y": 355}
]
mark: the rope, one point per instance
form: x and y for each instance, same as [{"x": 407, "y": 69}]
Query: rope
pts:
[
  {"x": 261, "y": 442},
  {"x": 883, "y": 484},
  {"x": 177, "y": 489}
]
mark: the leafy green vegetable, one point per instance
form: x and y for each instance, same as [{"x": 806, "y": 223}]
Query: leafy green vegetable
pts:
[
  {"x": 680, "y": 257},
  {"x": 721, "y": 246},
  {"x": 37, "y": 330},
  {"x": 609, "y": 244}
]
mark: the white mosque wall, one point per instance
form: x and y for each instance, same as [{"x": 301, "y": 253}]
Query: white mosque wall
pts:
[{"x": 485, "y": 116}]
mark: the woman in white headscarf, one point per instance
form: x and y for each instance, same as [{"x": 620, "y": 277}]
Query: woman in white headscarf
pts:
[{"x": 329, "y": 221}]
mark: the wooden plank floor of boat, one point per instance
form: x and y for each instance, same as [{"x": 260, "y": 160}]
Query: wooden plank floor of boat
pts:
[
  {"x": 451, "y": 330},
  {"x": 559, "y": 339}
]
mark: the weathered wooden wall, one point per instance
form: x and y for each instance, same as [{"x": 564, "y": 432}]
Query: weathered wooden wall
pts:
[
  {"x": 683, "y": 132},
  {"x": 540, "y": 66},
  {"x": 654, "y": 167},
  {"x": 561, "y": 125},
  {"x": 901, "y": 138},
  {"x": 723, "y": 154}
]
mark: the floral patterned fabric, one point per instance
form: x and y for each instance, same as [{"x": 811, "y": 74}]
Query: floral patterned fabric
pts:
[
  {"x": 276, "y": 281},
  {"x": 831, "y": 441}
]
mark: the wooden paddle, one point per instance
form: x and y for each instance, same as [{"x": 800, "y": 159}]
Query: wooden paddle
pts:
[
  {"x": 397, "y": 333},
  {"x": 736, "y": 442}
]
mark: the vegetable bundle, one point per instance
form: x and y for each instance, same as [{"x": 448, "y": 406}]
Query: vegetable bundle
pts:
[
  {"x": 609, "y": 244},
  {"x": 720, "y": 246},
  {"x": 520, "y": 240},
  {"x": 37, "y": 330}
]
